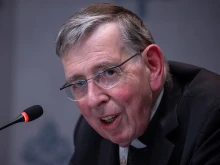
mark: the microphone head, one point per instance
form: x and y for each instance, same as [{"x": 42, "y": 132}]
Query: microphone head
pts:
[{"x": 32, "y": 113}]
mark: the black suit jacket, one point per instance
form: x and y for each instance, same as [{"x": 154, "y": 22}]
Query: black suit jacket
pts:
[{"x": 184, "y": 131}]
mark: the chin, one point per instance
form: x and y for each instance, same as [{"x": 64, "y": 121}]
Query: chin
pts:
[
  {"x": 121, "y": 142},
  {"x": 124, "y": 144}
]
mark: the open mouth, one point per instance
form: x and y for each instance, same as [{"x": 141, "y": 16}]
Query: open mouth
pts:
[{"x": 108, "y": 119}]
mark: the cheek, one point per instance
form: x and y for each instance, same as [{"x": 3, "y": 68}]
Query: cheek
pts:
[
  {"x": 122, "y": 95},
  {"x": 136, "y": 97},
  {"x": 131, "y": 98},
  {"x": 87, "y": 114},
  {"x": 132, "y": 91},
  {"x": 83, "y": 109}
]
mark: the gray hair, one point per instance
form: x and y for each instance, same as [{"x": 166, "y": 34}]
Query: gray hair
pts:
[{"x": 134, "y": 34}]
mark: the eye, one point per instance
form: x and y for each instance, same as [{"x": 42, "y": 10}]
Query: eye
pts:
[
  {"x": 79, "y": 84},
  {"x": 110, "y": 72}
]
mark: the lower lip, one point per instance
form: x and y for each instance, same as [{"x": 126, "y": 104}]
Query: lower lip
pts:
[{"x": 112, "y": 125}]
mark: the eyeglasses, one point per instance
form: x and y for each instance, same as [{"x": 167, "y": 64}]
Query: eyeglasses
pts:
[{"x": 106, "y": 79}]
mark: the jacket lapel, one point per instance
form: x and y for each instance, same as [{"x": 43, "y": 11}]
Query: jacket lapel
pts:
[
  {"x": 166, "y": 122},
  {"x": 163, "y": 147}
]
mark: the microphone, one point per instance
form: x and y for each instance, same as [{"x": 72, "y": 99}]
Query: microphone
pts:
[{"x": 27, "y": 115}]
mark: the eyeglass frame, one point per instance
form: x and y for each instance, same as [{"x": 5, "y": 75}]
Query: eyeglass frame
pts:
[{"x": 99, "y": 73}]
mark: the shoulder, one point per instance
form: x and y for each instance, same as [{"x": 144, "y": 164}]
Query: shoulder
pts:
[
  {"x": 199, "y": 84},
  {"x": 198, "y": 111}
]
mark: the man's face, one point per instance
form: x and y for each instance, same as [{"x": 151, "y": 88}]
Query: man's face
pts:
[{"x": 127, "y": 106}]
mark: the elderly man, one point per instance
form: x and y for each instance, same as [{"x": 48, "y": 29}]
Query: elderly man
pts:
[{"x": 136, "y": 108}]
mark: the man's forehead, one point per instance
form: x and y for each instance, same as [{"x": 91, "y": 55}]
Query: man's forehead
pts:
[
  {"x": 91, "y": 58},
  {"x": 102, "y": 48}
]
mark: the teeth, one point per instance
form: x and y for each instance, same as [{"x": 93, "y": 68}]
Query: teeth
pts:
[{"x": 108, "y": 119}]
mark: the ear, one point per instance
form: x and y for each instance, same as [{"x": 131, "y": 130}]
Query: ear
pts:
[{"x": 154, "y": 62}]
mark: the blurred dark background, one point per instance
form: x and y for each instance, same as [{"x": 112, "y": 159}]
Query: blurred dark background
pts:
[{"x": 186, "y": 30}]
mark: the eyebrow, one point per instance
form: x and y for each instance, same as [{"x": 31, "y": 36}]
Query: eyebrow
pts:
[{"x": 73, "y": 78}]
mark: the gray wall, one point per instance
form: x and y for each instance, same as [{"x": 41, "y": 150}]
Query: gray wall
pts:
[
  {"x": 186, "y": 30},
  {"x": 7, "y": 30}
]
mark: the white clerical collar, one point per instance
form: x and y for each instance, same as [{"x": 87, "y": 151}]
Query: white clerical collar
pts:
[{"x": 123, "y": 151}]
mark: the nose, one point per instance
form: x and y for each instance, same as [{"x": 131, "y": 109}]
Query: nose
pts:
[{"x": 97, "y": 96}]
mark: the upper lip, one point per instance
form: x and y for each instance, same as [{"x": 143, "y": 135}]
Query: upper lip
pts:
[{"x": 104, "y": 116}]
